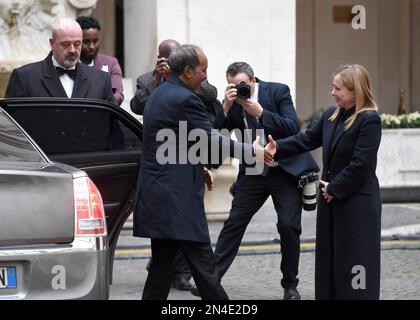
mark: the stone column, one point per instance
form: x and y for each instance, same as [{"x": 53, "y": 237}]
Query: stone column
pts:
[{"x": 140, "y": 37}]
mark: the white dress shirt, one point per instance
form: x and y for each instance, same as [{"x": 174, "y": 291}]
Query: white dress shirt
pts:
[{"x": 66, "y": 81}]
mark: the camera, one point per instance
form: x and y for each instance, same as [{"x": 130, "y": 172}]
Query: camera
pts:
[
  {"x": 244, "y": 90},
  {"x": 307, "y": 183}
]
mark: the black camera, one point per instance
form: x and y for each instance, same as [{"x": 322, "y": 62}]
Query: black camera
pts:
[{"x": 244, "y": 90}]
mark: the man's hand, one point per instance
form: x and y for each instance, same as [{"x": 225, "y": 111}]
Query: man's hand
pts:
[
  {"x": 208, "y": 178},
  {"x": 231, "y": 94},
  {"x": 270, "y": 150},
  {"x": 161, "y": 70},
  {"x": 261, "y": 154},
  {"x": 252, "y": 107},
  {"x": 329, "y": 198}
]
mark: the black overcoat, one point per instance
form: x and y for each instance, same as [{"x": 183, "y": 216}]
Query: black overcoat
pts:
[
  {"x": 170, "y": 201},
  {"x": 348, "y": 229},
  {"x": 40, "y": 79}
]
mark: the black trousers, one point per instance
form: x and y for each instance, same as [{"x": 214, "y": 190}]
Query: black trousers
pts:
[
  {"x": 251, "y": 193},
  {"x": 180, "y": 268},
  {"x": 202, "y": 263}
]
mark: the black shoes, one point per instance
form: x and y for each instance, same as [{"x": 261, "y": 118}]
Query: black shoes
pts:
[
  {"x": 194, "y": 291},
  {"x": 291, "y": 294},
  {"x": 181, "y": 283}
]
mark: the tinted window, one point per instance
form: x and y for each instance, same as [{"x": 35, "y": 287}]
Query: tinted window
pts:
[
  {"x": 69, "y": 129},
  {"x": 13, "y": 144}
]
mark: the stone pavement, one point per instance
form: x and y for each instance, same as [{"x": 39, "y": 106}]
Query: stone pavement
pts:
[{"x": 257, "y": 276}]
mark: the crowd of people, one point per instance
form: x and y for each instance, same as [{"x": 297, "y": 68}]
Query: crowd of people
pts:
[{"x": 170, "y": 205}]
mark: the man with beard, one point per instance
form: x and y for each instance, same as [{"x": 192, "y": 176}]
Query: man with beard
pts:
[{"x": 61, "y": 74}]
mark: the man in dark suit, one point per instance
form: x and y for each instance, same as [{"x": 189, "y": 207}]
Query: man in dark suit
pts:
[
  {"x": 265, "y": 106},
  {"x": 61, "y": 74},
  {"x": 91, "y": 56},
  {"x": 146, "y": 84},
  {"x": 170, "y": 207}
]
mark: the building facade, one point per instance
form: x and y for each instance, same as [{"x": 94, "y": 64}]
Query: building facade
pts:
[{"x": 297, "y": 42}]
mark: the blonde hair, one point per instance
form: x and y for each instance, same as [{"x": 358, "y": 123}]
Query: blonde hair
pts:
[{"x": 357, "y": 80}]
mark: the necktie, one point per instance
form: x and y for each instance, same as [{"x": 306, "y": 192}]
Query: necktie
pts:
[{"x": 71, "y": 73}]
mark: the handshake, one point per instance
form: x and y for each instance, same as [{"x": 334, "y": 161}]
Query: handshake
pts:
[{"x": 265, "y": 154}]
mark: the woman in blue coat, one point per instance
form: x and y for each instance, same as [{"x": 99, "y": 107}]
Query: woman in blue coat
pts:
[{"x": 347, "y": 263}]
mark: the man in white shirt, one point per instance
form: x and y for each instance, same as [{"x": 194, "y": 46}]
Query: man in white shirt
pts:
[{"x": 61, "y": 74}]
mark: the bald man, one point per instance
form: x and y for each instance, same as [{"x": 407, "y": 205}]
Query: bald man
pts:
[
  {"x": 61, "y": 74},
  {"x": 148, "y": 82}
]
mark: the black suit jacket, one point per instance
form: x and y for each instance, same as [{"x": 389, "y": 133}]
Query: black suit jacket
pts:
[
  {"x": 278, "y": 119},
  {"x": 146, "y": 85},
  {"x": 40, "y": 79},
  {"x": 170, "y": 201}
]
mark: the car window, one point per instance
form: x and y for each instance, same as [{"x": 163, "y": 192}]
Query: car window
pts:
[
  {"x": 75, "y": 129},
  {"x": 14, "y": 146}
]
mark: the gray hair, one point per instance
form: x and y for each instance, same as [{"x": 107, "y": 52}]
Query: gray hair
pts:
[
  {"x": 185, "y": 56},
  {"x": 240, "y": 67}
]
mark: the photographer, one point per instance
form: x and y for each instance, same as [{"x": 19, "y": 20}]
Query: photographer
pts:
[
  {"x": 257, "y": 105},
  {"x": 148, "y": 82}
]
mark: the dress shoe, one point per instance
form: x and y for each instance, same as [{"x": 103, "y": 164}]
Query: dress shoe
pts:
[
  {"x": 194, "y": 291},
  {"x": 181, "y": 283},
  {"x": 291, "y": 294}
]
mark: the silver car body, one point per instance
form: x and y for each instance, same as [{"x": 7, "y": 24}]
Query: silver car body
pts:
[{"x": 41, "y": 257}]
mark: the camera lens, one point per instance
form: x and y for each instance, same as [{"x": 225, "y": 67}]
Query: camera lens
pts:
[
  {"x": 244, "y": 90},
  {"x": 309, "y": 196}
]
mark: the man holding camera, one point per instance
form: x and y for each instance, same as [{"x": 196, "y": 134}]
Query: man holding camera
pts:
[{"x": 256, "y": 105}]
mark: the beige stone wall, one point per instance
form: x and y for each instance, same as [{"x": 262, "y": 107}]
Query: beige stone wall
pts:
[
  {"x": 384, "y": 48},
  {"x": 259, "y": 32},
  {"x": 415, "y": 55}
]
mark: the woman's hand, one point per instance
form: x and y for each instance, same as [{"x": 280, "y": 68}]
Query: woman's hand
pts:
[{"x": 329, "y": 198}]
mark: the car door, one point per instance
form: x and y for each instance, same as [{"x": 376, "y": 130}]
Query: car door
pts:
[{"x": 97, "y": 137}]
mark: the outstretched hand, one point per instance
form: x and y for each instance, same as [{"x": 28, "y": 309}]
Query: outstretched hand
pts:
[
  {"x": 271, "y": 147},
  {"x": 262, "y": 155}
]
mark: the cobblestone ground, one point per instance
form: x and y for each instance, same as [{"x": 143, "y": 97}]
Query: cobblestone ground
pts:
[{"x": 257, "y": 277}]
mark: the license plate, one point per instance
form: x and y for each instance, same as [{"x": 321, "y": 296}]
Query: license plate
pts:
[{"x": 8, "y": 278}]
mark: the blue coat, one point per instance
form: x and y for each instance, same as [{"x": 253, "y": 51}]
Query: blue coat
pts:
[{"x": 171, "y": 196}]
